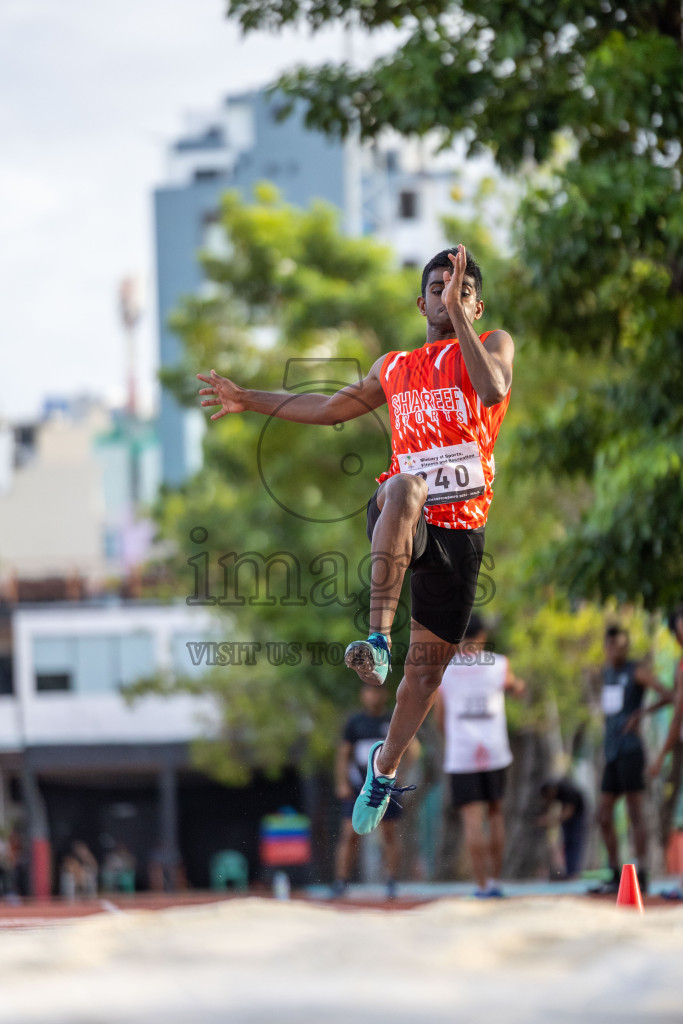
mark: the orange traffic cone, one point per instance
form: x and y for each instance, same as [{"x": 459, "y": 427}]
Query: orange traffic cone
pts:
[{"x": 629, "y": 890}]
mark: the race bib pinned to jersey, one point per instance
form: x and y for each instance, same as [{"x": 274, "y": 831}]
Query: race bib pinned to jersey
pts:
[
  {"x": 612, "y": 699},
  {"x": 453, "y": 474},
  {"x": 478, "y": 705}
]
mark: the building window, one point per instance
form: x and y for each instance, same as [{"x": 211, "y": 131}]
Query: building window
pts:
[
  {"x": 112, "y": 544},
  {"x": 6, "y": 688},
  {"x": 407, "y": 205},
  {"x": 136, "y": 657},
  {"x": 207, "y": 174},
  {"x": 93, "y": 664},
  {"x": 191, "y": 655},
  {"x": 54, "y": 663},
  {"x": 278, "y": 112},
  {"x": 51, "y": 682},
  {"x": 97, "y": 664},
  {"x": 392, "y": 161}
]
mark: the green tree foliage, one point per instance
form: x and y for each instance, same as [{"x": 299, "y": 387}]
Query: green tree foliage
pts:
[
  {"x": 290, "y": 305},
  {"x": 510, "y": 75},
  {"x": 593, "y": 93}
]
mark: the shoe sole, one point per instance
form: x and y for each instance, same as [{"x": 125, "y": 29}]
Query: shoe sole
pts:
[{"x": 359, "y": 658}]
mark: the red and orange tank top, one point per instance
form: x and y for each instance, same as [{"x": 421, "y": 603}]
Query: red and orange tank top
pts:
[{"x": 441, "y": 430}]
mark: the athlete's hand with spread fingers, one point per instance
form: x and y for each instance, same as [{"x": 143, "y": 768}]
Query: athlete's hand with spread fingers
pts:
[
  {"x": 453, "y": 278},
  {"x": 224, "y": 393}
]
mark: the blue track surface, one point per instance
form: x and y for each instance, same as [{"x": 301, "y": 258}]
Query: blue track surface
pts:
[{"x": 441, "y": 890}]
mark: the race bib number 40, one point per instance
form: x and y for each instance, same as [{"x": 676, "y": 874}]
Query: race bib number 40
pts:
[{"x": 452, "y": 474}]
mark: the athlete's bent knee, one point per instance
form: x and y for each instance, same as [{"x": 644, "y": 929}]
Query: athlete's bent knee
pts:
[
  {"x": 407, "y": 492},
  {"x": 425, "y": 678}
]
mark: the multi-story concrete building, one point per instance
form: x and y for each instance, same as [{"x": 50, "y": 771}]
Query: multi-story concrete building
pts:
[
  {"x": 72, "y": 485},
  {"x": 78, "y": 762},
  {"x": 241, "y": 143}
]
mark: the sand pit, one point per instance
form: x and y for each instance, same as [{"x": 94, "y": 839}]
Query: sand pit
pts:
[{"x": 252, "y": 960}]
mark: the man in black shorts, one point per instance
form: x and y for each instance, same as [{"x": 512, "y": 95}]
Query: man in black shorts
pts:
[
  {"x": 623, "y": 687},
  {"x": 362, "y": 730},
  {"x": 447, "y": 400},
  {"x": 470, "y": 708}
]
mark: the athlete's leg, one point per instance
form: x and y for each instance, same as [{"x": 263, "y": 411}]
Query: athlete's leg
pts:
[
  {"x": 400, "y": 500},
  {"x": 476, "y": 842},
  {"x": 672, "y": 788},
  {"x": 392, "y": 848},
  {"x": 496, "y": 837},
  {"x": 347, "y": 850},
  {"x": 606, "y": 822},
  {"x": 426, "y": 661},
  {"x": 635, "y": 803}
]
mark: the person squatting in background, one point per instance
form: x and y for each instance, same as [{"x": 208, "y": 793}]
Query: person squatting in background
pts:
[{"x": 572, "y": 821}]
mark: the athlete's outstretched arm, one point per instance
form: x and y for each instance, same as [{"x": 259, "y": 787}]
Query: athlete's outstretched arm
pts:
[
  {"x": 299, "y": 407},
  {"x": 489, "y": 365}
]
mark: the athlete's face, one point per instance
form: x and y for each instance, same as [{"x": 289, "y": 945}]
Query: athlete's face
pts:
[
  {"x": 373, "y": 699},
  {"x": 616, "y": 648},
  {"x": 432, "y": 307}
]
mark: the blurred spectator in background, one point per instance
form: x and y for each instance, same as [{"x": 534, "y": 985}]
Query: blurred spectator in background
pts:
[
  {"x": 362, "y": 730},
  {"x": 78, "y": 874},
  {"x": 673, "y": 742},
  {"x": 21, "y": 859},
  {"x": 166, "y": 871},
  {"x": 118, "y": 870},
  {"x": 470, "y": 709},
  {"x": 571, "y": 817},
  {"x": 7, "y": 865},
  {"x": 623, "y": 687}
]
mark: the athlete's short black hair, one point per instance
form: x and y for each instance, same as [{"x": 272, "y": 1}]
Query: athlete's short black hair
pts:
[
  {"x": 475, "y": 626},
  {"x": 441, "y": 260}
]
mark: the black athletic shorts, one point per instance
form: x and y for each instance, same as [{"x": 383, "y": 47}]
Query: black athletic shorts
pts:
[
  {"x": 392, "y": 813},
  {"x": 626, "y": 774},
  {"x": 444, "y": 571},
  {"x": 477, "y": 787}
]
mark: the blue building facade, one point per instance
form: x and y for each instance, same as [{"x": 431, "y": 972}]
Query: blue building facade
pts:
[{"x": 243, "y": 144}]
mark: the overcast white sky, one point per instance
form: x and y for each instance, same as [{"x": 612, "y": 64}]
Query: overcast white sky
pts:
[{"x": 90, "y": 95}]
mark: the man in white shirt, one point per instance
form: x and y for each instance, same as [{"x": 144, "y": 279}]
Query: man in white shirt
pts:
[{"x": 471, "y": 714}]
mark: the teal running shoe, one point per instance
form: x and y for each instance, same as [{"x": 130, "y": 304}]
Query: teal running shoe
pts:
[
  {"x": 370, "y": 658},
  {"x": 373, "y": 799}
]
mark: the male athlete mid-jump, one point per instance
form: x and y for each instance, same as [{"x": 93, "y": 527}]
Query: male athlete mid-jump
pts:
[{"x": 447, "y": 400}]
